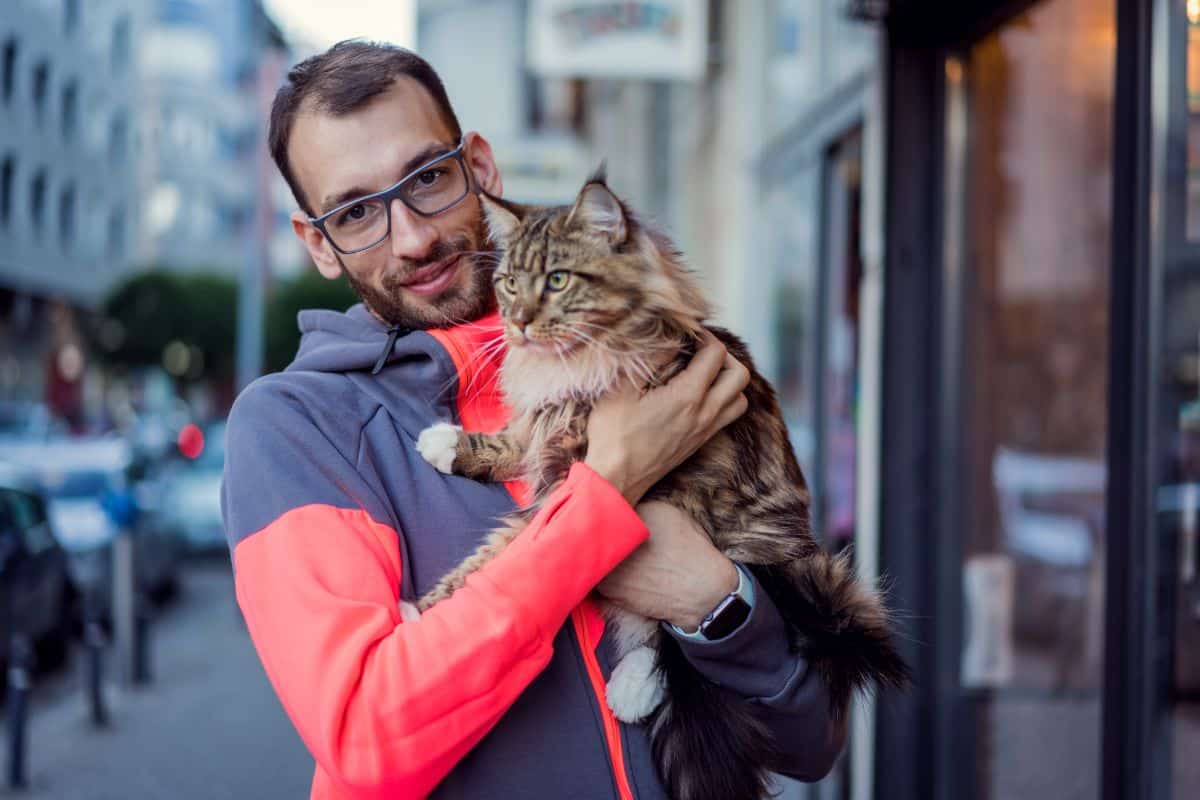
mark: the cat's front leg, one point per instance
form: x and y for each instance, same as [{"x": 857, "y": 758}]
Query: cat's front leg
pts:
[
  {"x": 636, "y": 687},
  {"x": 481, "y": 456}
]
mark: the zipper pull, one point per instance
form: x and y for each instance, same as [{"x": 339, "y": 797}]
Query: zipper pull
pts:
[{"x": 394, "y": 333}]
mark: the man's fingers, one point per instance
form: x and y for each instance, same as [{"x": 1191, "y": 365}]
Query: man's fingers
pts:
[
  {"x": 705, "y": 366},
  {"x": 731, "y": 412},
  {"x": 732, "y": 380}
]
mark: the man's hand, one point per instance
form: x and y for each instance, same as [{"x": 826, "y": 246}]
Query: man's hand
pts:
[
  {"x": 634, "y": 439},
  {"x": 677, "y": 575}
]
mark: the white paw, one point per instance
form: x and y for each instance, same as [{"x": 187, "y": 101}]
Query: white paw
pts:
[
  {"x": 635, "y": 688},
  {"x": 409, "y": 612},
  {"x": 438, "y": 443}
]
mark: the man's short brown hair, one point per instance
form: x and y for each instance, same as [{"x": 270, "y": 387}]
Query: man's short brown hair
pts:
[{"x": 341, "y": 80}]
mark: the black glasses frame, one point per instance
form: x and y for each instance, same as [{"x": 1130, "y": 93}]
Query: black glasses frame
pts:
[{"x": 396, "y": 192}]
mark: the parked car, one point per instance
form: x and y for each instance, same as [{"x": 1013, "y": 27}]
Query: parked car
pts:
[
  {"x": 38, "y": 594},
  {"x": 30, "y": 422},
  {"x": 84, "y": 482},
  {"x": 190, "y": 493}
]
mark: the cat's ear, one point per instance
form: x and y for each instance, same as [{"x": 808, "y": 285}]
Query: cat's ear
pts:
[
  {"x": 598, "y": 211},
  {"x": 501, "y": 221}
]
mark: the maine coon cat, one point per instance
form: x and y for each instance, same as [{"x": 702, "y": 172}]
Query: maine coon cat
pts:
[{"x": 607, "y": 299}]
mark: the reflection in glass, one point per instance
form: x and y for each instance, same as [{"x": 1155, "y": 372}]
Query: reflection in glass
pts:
[
  {"x": 791, "y": 210},
  {"x": 1034, "y": 206},
  {"x": 1176, "y": 423}
]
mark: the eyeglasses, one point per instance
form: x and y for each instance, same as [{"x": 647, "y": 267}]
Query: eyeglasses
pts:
[{"x": 428, "y": 190}]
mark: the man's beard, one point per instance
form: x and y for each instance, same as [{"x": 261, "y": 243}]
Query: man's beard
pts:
[{"x": 459, "y": 303}]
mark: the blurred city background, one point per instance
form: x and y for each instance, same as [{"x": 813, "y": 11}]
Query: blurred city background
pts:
[{"x": 962, "y": 237}]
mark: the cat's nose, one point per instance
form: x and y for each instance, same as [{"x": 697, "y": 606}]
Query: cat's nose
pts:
[{"x": 520, "y": 323}]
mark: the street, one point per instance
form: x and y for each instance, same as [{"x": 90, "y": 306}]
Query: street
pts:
[{"x": 209, "y": 726}]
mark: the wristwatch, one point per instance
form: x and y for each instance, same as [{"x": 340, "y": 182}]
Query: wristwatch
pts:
[{"x": 728, "y": 615}]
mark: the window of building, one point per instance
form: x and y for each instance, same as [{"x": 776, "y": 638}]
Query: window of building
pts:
[
  {"x": 116, "y": 233},
  {"x": 118, "y": 135},
  {"x": 8, "y": 69},
  {"x": 70, "y": 109},
  {"x": 8, "y": 172},
  {"x": 37, "y": 201},
  {"x": 41, "y": 85},
  {"x": 120, "y": 44},
  {"x": 70, "y": 15},
  {"x": 66, "y": 216}
]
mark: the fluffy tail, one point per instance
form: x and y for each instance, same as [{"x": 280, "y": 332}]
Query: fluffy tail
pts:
[
  {"x": 707, "y": 744},
  {"x": 845, "y": 631}
]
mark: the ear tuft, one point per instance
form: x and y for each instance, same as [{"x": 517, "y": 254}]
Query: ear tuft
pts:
[
  {"x": 501, "y": 218},
  {"x": 600, "y": 212},
  {"x": 600, "y": 176}
]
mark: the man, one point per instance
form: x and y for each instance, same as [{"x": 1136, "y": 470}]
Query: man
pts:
[{"x": 333, "y": 518}]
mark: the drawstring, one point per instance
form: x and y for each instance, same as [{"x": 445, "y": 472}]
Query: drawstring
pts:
[{"x": 394, "y": 333}]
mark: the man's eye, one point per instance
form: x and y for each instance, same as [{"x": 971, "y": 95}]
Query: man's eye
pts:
[
  {"x": 558, "y": 280},
  {"x": 353, "y": 214},
  {"x": 430, "y": 176}
]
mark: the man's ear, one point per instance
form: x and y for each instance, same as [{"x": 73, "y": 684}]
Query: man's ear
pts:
[
  {"x": 501, "y": 218},
  {"x": 317, "y": 245},
  {"x": 482, "y": 163},
  {"x": 598, "y": 211}
]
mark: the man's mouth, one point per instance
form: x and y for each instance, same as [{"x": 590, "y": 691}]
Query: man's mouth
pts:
[{"x": 431, "y": 280}]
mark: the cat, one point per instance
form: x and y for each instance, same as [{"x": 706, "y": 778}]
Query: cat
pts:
[{"x": 611, "y": 300}]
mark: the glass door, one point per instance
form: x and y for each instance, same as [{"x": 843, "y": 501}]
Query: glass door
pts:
[
  {"x": 1175, "y": 399},
  {"x": 1026, "y": 251}
]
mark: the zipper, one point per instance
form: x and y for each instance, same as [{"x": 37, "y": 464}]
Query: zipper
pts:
[{"x": 612, "y": 728}]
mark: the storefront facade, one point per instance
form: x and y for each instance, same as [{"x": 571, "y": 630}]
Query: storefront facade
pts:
[{"x": 1040, "y": 426}]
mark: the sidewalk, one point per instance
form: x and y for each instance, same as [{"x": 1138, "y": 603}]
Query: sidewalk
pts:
[{"x": 208, "y": 728}]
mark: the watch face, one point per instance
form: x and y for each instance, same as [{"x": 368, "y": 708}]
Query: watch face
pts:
[{"x": 726, "y": 619}]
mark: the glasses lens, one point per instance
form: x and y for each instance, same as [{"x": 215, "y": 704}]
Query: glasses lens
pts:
[
  {"x": 437, "y": 187},
  {"x": 360, "y": 225}
]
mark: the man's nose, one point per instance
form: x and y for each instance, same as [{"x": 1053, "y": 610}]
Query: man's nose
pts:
[{"x": 412, "y": 235}]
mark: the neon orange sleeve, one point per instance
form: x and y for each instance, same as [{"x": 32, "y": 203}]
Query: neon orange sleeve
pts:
[{"x": 386, "y": 707}]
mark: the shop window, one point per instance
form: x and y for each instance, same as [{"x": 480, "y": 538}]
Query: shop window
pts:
[
  {"x": 41, "y": 87},
  {"x": 37, "y": 201},
  {"x": 8, "y": 70},
  {"x": 7, "y": 179},
  {"x": 1028, "y": 227}
]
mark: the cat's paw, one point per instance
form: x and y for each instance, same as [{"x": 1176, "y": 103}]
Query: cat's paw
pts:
[
  {"x": 636, "y": 687},
  {"x": 438, "y": 445}
]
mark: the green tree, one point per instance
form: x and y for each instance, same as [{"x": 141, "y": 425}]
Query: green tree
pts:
[{"x": 184, "y": 321}]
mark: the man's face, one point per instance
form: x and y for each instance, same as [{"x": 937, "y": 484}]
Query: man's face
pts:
[{"x": 425, "y": 275}]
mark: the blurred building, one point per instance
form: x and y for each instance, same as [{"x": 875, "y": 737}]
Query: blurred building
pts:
[
  {"x": 205, "y": 66},
  {"x": 534, "y": 124},
  {"x": 69, "y": 200}
]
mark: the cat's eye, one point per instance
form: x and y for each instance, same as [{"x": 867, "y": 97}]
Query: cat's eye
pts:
[
  {"x": 510, "y": 283},
  {"x": 557, "y": 280}
]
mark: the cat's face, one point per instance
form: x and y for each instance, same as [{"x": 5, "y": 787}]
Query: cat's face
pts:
[{"x": 570, "y": 277}]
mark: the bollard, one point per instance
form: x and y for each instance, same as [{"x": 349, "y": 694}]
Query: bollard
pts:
[
  {"x": 20, "y": 658},
  {"x": 124, "y": 605},
  {"x": 94, "y": 640},
  {"x": 141, "y": 635}
]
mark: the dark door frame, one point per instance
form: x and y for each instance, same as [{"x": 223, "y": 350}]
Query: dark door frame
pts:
[{"x": 920, "y": 749}]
